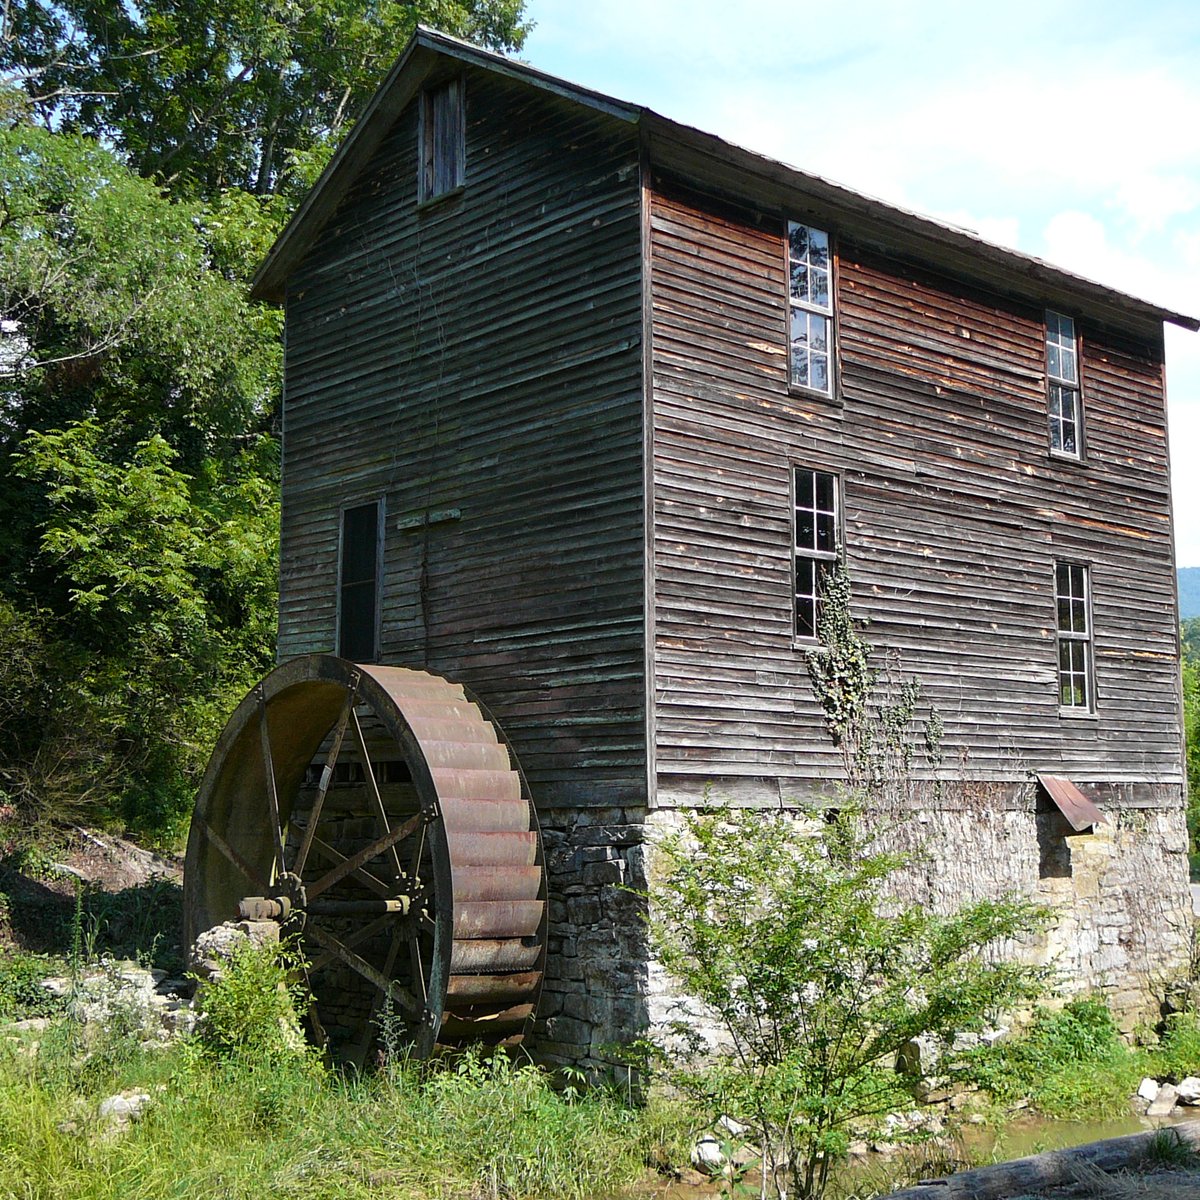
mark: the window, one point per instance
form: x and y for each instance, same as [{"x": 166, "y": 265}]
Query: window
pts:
[
  {"x": 1073, "y": 601},
  {"x": 442, "y": 137},
  {"x": 816, "y": 541},
  {"x": 810, "y": 308},
  {"x": 1062, "y": 382},
  {"x": 358, "y": 583}
]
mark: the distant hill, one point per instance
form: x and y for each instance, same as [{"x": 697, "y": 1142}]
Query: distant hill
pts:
[{"x": 1189, "y": 592}]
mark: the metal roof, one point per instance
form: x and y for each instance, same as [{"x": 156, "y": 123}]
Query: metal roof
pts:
[{"x": 707, "y": 161}]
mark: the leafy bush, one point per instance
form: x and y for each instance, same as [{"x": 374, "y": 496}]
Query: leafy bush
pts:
[
  {"x": 1067, "y": 1063},
  {"x": 778, "y": 925},
  {"x": 249, "y": 1012},
  {"x": 1178, "y": 1053},
  {"x": 21, "y": 993}
]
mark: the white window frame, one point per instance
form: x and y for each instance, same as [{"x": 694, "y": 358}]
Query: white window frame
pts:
[
  {"x": 812, "y": 313},
  {"x": 1078, "y": 675},
  {"x": 1064, "y": 393},
  {"x": 809, "y": 558}
]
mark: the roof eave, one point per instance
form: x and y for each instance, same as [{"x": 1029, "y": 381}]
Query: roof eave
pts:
[
  {"x": 402, "y": 84},
  {"x": 934, "y": 234}
]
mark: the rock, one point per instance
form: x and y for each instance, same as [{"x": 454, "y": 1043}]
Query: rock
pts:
[
  {"x": 916, "y": 1057},
  {"x": 707, "y": 1155},
  {"x": 858, "y": 1149},
  {"x": 215, "y": 947},
  {"x": 40, "y": 1024},
  {"x": 1148, "y": 1089},
  {"x": 1189, "y": 1090},
  {"x": 1164, "y": 1103},
  {"x": 123, "y": 1107},
  {"x": 735, "y": 1129}
]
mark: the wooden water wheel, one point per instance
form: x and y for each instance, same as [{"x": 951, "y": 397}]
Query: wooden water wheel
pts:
[{"x": 378, "y": 814}]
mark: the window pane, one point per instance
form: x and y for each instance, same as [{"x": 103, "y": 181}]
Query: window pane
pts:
[
  {"x": 819, "y": 288},
  {"x": 1068, "y": 443},
  {"x": 1052, "y": 360},
  {"x": 1076, "y": 577},
  {"x": 824, "y": 490},
  {"x": 1067, "y": 364},
  {"x": 799, "y": 327},
  {"x": 799, "y": 282},
  {"x": 826, "y": 539},
  {"x": 1062, "y": 579},
  {"x": 1064, "y": 613},
  {"x": 818, "y": 332},
  {"x": 806, "y": 577},
  {"x": 805, "y": 529},
  {"x": 806, "y": 617},
  {"x": 820, "y": 372},
  {"x": 1079, "y": 616},
  {"x": 804, "y": 489},
  {"x": 818, "y": 248},
  {"x": 797, "y": 241}
]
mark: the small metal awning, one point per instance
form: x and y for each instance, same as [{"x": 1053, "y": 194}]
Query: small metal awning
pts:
[{"x": 1080, "y": 812}]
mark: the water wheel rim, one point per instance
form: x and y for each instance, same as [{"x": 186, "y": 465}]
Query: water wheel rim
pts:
[{"x": 295, "y": 708}]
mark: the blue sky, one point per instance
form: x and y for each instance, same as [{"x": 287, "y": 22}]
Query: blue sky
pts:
[{"x": 1068, "y": 130}]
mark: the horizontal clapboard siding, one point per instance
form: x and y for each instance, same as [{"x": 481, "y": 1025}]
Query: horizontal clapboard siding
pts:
[
  {"x": 484, "y": 355},
  {"x": 954, "y": 515}
]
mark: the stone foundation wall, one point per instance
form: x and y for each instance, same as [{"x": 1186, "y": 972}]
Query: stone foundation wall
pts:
[
  {"x": 597, "y": 969},
  {"x": 1120, "y": 892},
  {"x": 1123, "y": 912}
]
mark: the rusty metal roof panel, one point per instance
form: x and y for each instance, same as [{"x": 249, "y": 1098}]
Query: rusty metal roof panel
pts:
[{"x": 1080, "y": 812}]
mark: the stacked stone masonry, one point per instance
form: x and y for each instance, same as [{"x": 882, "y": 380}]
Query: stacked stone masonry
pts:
[{"x": 1121, "y": 930}]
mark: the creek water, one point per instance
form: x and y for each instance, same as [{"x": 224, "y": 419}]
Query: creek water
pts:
[{"x": 978, "y": 1145}]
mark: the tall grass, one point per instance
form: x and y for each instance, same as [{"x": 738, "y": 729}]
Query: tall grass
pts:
[
  {"x": 234, "y": 1128},
  {"x": 245, "y": 1109}
]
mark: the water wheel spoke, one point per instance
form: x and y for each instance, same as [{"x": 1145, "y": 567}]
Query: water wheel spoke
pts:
[
  {"x": 417, "y": 963},
  {"x": 320, "y": 1037},
  {"x": 363, "y": 934},
  {"x": 269, "y": 773},
  {"x": 390, "y": 987},
  {"x": 373, "y": 789},
  {"x": 359, "y": 1054},
  {"x": 335, "y": 748},
  {"x": 377, "y": 847},
  {"x": 360, "y": 873},
  {"x": 247, "y": 870}
]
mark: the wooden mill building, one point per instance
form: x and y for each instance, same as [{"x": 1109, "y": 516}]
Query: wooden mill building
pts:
[{"x": 578, "y": 403}]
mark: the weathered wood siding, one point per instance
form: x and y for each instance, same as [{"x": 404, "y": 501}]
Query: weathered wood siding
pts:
[
  {"x": 954, "y": 515},
  {"x": 484, "y": 355}
]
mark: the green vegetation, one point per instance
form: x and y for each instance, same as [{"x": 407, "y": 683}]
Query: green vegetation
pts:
[
  {"x": 1190, "y": 643},
  {"x": 244, "y": 1110},
  {"x": 1069, "y": 1063},
  {"x": 149, "y": 154},
  {"x": 773, "y": 921},
  {"x": 1072, "y": 1063}
]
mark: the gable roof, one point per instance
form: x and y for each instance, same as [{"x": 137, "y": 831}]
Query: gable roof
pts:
[{"x": 712, "y": 164}]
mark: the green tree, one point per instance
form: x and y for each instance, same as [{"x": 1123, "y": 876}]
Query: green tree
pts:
[
  {"x": 158, "y": 617},
  {"x": 231, "y": 93},
  {"x": 780, "y": 925},
  {"x": 138, "y": 517}
]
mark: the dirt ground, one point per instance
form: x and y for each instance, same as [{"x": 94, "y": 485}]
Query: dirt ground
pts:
[{"x": 130, "y": 900}]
